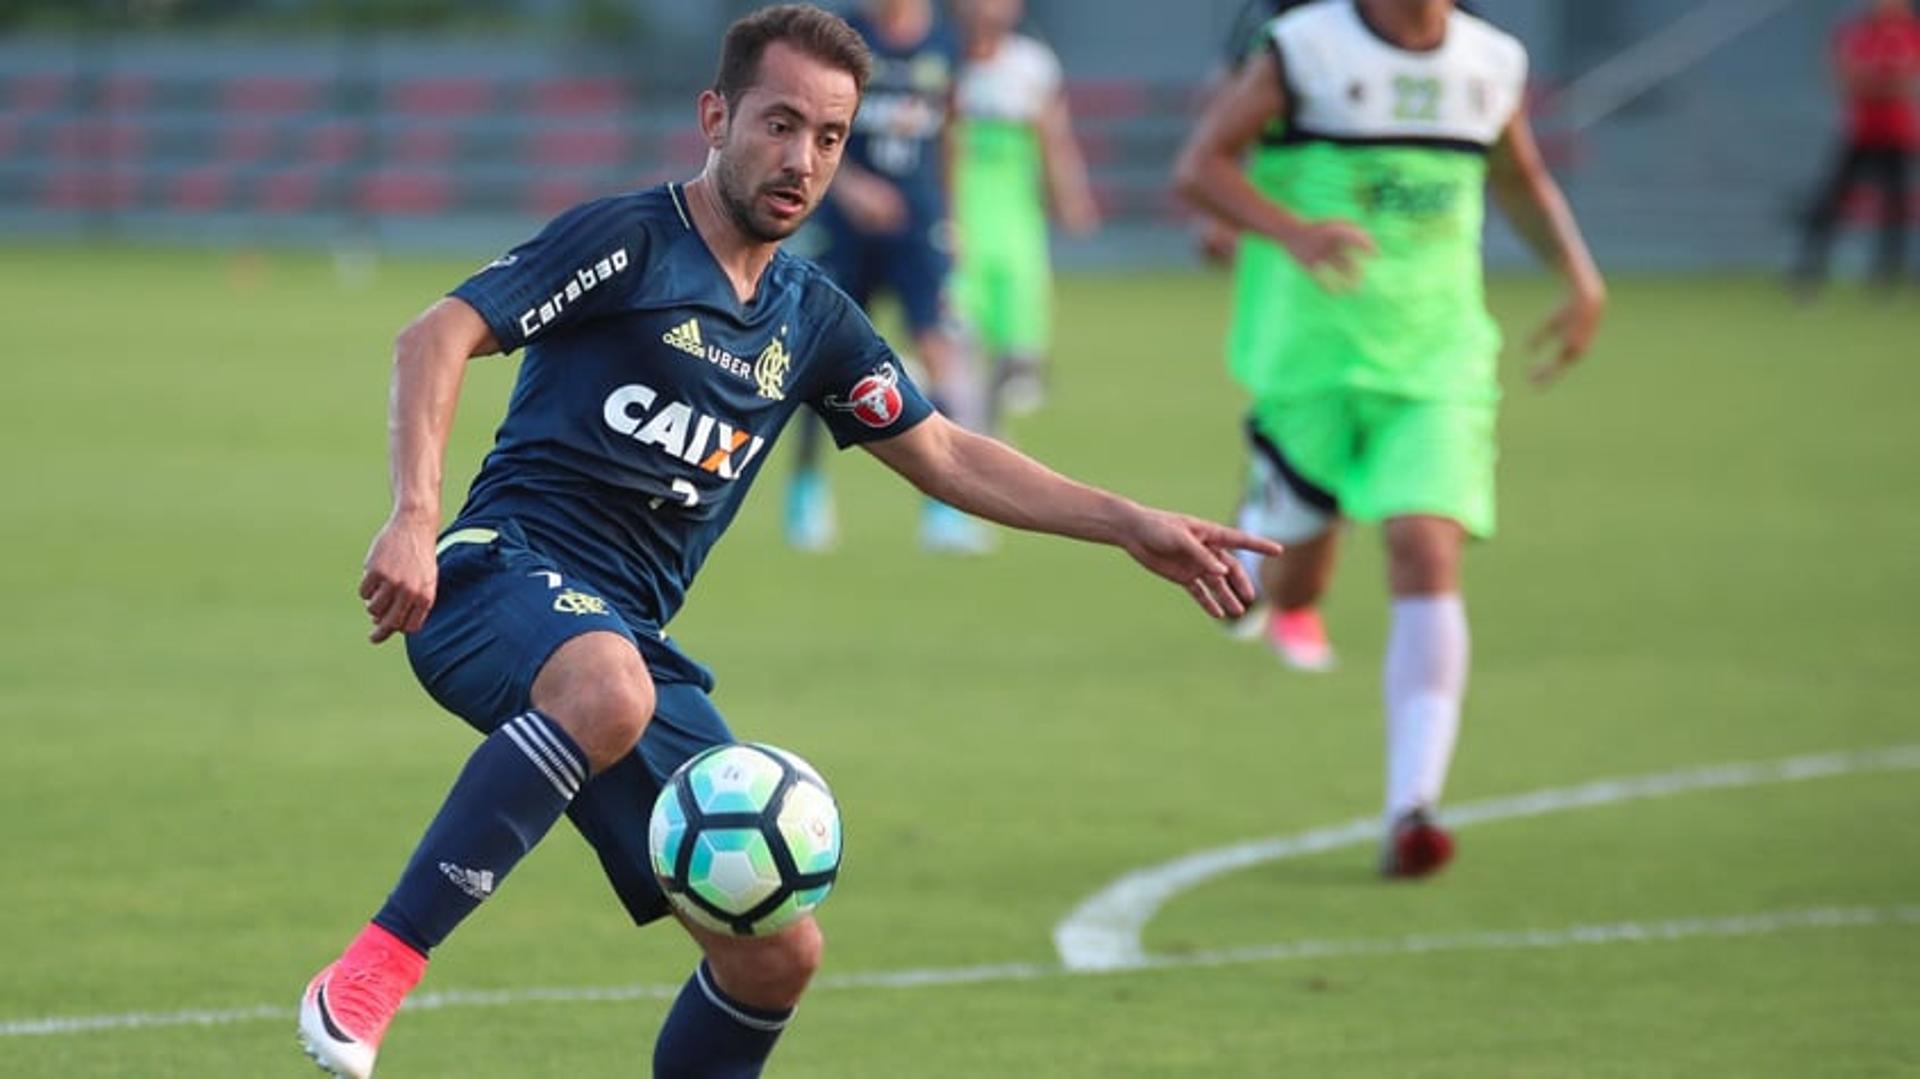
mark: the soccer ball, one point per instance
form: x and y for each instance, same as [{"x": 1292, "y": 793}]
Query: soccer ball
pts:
[{"x": 745, "y": 839}]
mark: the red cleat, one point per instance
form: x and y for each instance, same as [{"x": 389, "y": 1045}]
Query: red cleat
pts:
[
  {"x": 1415, "y": 847},
  {"x": 1299, "y": 638}
]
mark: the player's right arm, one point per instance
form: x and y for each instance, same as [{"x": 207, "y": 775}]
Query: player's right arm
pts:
[
  {"x": 429, "y": 362},
  {"x": 1209, "y": 174},
  {"x": 1066, "y": 168},
  {"x": 990, "y": 479}
]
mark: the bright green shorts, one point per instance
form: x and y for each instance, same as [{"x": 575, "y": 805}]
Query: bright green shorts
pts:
[
  {"x": 1382, "y": 455},
  {"x": 1005, "y": 295}
]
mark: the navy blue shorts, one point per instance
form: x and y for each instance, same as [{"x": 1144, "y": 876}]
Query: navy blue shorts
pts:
[
  {"x": 500, "y": 611},
  {"x": 912, "y": 264}
]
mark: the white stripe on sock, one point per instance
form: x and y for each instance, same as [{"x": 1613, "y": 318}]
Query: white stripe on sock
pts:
[
  {"x": 546, "y": 769},
  {"x": 537, "y": 730},
  {"x": 738, "y": 1016}
]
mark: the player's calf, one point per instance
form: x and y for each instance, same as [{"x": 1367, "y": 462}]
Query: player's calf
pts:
[{"x": 731, "y": 1012}]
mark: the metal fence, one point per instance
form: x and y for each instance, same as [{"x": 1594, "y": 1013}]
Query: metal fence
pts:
[{"x": 263, "y": 123}]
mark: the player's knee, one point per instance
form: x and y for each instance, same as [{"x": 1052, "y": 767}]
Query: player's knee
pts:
[
  {"x": 772, "y": 972},
  {"x": 598, "y": 689},
  {"x": 620, "y": 710},
  {"x": 1423, "y": 556}
]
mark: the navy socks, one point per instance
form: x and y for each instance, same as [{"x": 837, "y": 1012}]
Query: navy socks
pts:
[
  {"x": 513, "y": 789},
  {"x": 709, "y": 1035}
]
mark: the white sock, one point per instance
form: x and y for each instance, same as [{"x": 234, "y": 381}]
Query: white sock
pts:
[{"x": 1425, "y": 681}]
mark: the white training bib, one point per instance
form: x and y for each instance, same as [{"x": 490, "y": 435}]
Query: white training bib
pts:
[
  {"x": 1014, "y": 85},
  {"x": 1344, "y": 82}
]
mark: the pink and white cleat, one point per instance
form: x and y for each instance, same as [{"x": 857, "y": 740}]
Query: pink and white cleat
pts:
[
  {"x": 1299, "y": 638},
  {"x": 347, "y": 1006}
]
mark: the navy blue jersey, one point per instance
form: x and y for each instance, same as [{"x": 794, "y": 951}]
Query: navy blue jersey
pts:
[
  {"x": 650, "y": 395},
  {"x": 904, "y": 112}
]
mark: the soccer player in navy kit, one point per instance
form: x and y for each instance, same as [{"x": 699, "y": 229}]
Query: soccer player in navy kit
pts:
[
  {"x": 667, "y": 341},
  {"x": 884, "y": 228}
]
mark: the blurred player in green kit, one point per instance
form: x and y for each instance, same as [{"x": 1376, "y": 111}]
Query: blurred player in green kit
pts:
[
  {"x": 1362, "y": 334},
  {"x": 1014, "y": 153}
]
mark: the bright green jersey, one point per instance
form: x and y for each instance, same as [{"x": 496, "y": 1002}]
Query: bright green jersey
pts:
[
  {"x": 999, "y": 194},
  {"x": 999, "y": 176},
  {"x": 1395, "y": 142}
]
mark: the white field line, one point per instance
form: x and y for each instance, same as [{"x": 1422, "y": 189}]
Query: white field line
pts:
[
  {"x": 1901, "y": 757},
  {"x": 1103, "y": 932},
  {"x": 1742, "y": 925}
]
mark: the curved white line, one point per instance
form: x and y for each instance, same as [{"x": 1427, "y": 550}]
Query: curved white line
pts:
[
  {"x": 1739, "y": 925},
  {"x": 1103, "y": 932},
  {"x": 1733, "y": 775}
]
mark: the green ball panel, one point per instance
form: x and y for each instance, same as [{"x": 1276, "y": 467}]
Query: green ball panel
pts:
[
  {"x": 733, "y": 869},
  {"x": 810, "y": 824},
  {"x": 733, "y": 780}
]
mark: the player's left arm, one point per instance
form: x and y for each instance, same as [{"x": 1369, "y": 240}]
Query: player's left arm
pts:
[
  {"x": 992, "y": 480},
  {"x": 1533, "y": 203},
  {"x": 1066, "y": 168}
]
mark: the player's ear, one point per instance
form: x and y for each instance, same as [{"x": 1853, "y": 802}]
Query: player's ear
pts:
[{"x": 713, "y": 118}]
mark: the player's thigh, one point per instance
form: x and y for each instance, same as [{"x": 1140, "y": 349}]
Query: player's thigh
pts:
[
  {"x": 500, "y": 612},
  {"x": 1308, "y": 446},
  {"x": 1427, "y": 458},
  {"x": 612, "y": 810}
]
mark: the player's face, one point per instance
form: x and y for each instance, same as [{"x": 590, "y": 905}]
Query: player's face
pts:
[
  {"x": 782, "y": 142},
  {"x": 890, "y": 9}
]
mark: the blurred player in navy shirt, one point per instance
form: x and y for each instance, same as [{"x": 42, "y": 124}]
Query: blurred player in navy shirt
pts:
[
  {"x": 884, "y": 229},
  {"x": 668, "y": 340}
]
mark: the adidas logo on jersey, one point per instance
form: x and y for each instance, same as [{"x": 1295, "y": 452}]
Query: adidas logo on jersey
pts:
[
  {"x": 768, "y": 373},
  {"x": 686, "y": 338},
  {"x": 477, "y": 883}
]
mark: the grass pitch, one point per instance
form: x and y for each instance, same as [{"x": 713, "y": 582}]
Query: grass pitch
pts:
[{"x": 209, "y": 778}]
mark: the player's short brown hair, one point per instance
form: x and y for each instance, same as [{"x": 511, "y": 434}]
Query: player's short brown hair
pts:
[{"x": 820, "y": 34}]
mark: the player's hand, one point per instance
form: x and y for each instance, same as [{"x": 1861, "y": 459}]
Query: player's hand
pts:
[
  {"x": 1079, "y": 217},
  {"x": 401, "y": 573},
  {"x": 875, "y": 206},
  {"x": 1333, "y": 252},
  {"x": 1198, "y": 556},
  {"x": 1568, "y": 333},
  {"x": 1217, "y": 242}
]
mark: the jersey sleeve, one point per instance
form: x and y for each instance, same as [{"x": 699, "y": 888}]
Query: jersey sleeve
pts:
[
  {"x": 576, "y": 268},
  {"x": 1048, "y": 79},
  {"x": 863, "y": 393}
]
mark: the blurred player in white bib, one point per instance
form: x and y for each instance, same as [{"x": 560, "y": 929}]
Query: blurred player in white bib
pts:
[{"x": 1015, "y": 154}]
